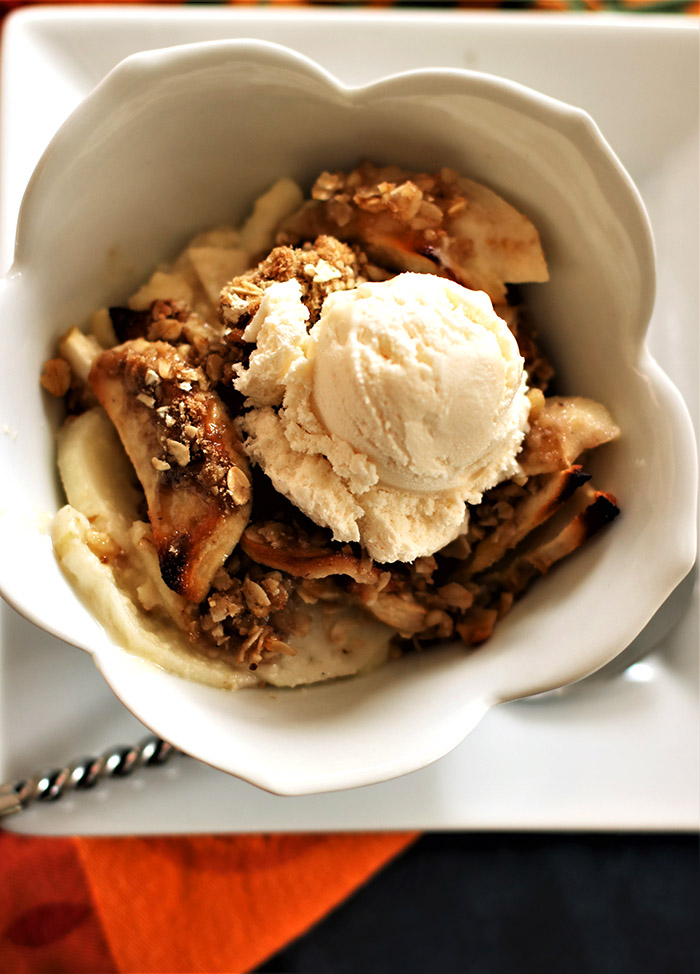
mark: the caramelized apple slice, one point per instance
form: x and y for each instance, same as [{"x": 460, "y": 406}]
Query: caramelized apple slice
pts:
[
  {"x": 562, "y": 430},
  {"x": 430, "y": 223},
  {"x": 272, "y": 544},
  {"x": 276, "y": 546},
  {"x": 186, "y": 453},
  {"x": 534, "y": 509},
  {"x": 602, "y": 509},
  {"x": 509, "y": 583}
]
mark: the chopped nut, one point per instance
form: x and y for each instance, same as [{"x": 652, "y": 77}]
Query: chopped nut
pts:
[
  {"x": 238, "y": 485},
  {"x": 151, "y": 378},
  {"x": 405, "y": 199},
  {"x": 159, "y": 464},
  {"x": 326, "y": 185},
  {"x": 256, "y": 597},
  {"x": 165, "y": 415},
  {"x": 148, "y": 401},
  {"x": 218, "y": 633},
  {"x": 190, "y": 431},
  {"x": 56, "y": 376},
  {"x": 272, "y": 586},
  {"x": 214, "y": 366},
  {"x": 217, "y": 609},
  {"x": 322, "y": 272},
  {"x": 166, "y": 330},
  {"x": 179, "y": 451},
  {"x": 164, "y": 367}
]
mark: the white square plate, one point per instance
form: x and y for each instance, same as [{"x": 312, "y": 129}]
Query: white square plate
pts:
[{"x": 616, "y": 752}]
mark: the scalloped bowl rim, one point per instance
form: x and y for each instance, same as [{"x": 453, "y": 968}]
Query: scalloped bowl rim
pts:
[
  {"x": 581, "y": 130},
  {"x": 499, "y": 89}
]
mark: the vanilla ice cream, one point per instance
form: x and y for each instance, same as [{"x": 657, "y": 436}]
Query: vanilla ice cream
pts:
[
  {"x": 406, "y": 399},
  {"x": 421, "y": 376}
]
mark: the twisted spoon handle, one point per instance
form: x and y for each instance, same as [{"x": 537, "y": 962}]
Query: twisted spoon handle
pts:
[{"x": 83, "y": 773}]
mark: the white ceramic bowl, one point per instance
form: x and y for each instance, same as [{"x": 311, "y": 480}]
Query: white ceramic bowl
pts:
[{"x": 175, "y": 140}]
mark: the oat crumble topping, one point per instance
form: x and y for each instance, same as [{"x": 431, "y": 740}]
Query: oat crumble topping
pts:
[
  {"x": 326, "y": 266},
  {"x": 168, "y": 386}
]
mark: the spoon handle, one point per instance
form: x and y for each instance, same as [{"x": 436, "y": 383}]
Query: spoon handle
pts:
[{"x": 83, "y": 773}]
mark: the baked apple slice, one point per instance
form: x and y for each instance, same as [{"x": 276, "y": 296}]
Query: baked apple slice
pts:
[
  {"x": 502, "y": 587},
  {"x": 272, "y": 544},
  {"x": 438, "y": 223},
  {"x": 563, "y": 429},
  {"x": 549, "y": 492},
  {"x": 186, "y": 453}
]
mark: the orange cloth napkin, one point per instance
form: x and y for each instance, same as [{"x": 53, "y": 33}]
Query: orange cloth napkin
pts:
[{"x": 174, "y": 904}]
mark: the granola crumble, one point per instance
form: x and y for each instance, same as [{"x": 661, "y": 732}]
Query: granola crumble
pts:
[{"x": 171, "y": 377}]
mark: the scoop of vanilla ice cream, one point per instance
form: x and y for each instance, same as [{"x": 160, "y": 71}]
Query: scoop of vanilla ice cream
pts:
[
  {"x": 420, "y": 375},
  {"x": 406, "y": 399}
]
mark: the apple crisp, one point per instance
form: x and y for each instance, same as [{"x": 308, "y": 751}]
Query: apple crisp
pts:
[{"x": 213, "y": 572}]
